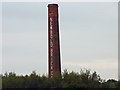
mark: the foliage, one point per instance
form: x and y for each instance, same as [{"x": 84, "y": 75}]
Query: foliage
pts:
[{"x": 83, "y": 79}]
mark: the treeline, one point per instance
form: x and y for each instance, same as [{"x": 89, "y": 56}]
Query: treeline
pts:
[{"x": 84, "y": 79}]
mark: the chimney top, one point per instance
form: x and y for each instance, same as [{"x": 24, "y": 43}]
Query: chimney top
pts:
[{"x": 52, "y": 5}]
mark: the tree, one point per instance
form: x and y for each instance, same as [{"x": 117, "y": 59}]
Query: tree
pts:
[{"x": 84, "y": 79}]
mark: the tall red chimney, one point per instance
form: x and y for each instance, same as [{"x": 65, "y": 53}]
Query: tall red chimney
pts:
[{"x": 54, "y": 64}]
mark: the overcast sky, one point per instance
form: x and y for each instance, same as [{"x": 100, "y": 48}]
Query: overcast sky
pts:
[
  {"x": 88, "y": 36},
  {"x": 0, "y": 37}
]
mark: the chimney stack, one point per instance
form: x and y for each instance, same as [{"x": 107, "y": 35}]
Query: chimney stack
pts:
[{"x": 54, "y": 63}]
